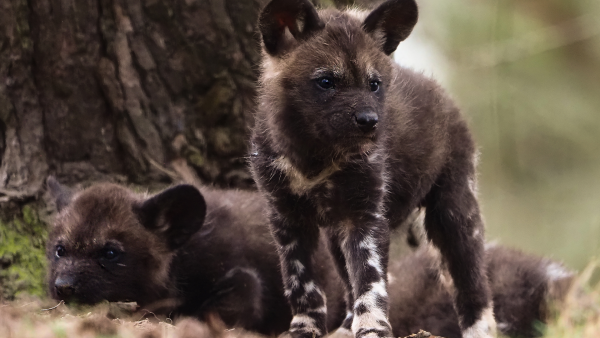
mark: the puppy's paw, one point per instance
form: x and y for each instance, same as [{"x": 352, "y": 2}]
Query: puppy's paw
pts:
[
  {"x": 372, "y": 324},
  {"x": 306, "y": 326},
  {"x": 485, "y": 327},
  {"x": 373, "y": 333},
  {"x": 300, "y": 334}
]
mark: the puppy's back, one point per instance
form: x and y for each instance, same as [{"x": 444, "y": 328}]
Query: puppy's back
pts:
[{"x": 523, "y": 287}]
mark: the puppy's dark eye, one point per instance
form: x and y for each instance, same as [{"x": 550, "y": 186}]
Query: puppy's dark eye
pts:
[
  {"x": 110, "y": 254},
  {"x": 60, "y": 251},
  {"x": 325, "y": 82},
  {"x": 374, "y": 85}
]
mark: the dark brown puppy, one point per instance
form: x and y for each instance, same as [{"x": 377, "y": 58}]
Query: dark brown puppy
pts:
[
  {"x": 175, "y": 254},
  {"x": 348, "y": 141},
  {"x": 523, "y": 288},
  {"x": 101, "y": 247}
]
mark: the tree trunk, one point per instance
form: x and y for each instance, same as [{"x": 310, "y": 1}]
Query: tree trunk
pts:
[{"x": 119, "y": 90}]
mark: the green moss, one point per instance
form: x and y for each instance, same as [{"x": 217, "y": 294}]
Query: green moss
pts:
[
  {"x": 59, "y": 331},
  {"x": 196, "y": 159},
  {"x": 194, "y": 155},
  {"x": 22, "y": 253}
]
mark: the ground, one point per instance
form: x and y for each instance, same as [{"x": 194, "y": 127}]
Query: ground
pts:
[{"x": 32, "y": 317}]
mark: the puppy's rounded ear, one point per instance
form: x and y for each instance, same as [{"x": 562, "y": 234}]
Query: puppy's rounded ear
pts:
[
  {"x": 298, "y": 16},
  {"x": 392, "y": 21},
  {"x": 176, "y": 213},
  {"x": 62, "y": 195}
]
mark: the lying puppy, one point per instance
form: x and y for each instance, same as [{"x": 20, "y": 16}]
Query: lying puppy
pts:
[
  {"x": 192, "y": 254},
  {"x": 523, "y": 287},
  {"x": 179, "y": 251}
]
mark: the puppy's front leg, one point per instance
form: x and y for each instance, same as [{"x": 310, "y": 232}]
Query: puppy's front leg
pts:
[
  {"x": 297, "y": 241},
  {"x": 365, "y": 248}
]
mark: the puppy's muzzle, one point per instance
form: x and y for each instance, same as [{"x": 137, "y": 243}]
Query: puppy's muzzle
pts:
[
  {"x": 65, "y": 287},
  {"x": 366, "y": 121}
]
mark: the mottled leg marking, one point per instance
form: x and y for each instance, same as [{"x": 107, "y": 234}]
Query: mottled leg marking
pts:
[
  {"x": 371, "y": 312},
  {"x": 310, "y": 314},
  {"x": 366, "y": 257},
  {"x": 485, "y": 326},
  {"x": 306, "y": 298}
]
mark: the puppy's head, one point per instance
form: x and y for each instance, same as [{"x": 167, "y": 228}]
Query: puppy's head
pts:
[
  {"x": 108, "y": 243},
  {"x": 326, "y": 74}
]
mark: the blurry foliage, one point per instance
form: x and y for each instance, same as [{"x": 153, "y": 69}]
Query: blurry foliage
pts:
[
  {"x": 22, "y": 255},
  {"x": 527, "y": 75},
  {"x": 579, "y": 315}
]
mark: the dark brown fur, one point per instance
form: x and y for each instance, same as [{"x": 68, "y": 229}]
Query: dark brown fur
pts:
[
  {"x": 523, "y": 289},
  {"x": 229, "y": 267},
  {"x": 348, "y": 141}
]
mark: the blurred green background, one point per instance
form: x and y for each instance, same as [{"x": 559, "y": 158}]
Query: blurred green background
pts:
[{"x": 527, "y": 75}]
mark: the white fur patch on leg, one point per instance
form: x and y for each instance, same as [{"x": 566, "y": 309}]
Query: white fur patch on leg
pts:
[
  {"x": 371, "y": 320},
  {"x": 294, "y": 282},
  {"x": 374, "y": 315},
  {"x": 373, "y": 259},
  {"x": 303, "y": 319},
  {"x": 485, "y": 327},
  {"x": 304, "y": 323},
  {"x": 298, "y": 266},
  {"x": 286, "y": 249},
  {"x": 555, "y": 272}
]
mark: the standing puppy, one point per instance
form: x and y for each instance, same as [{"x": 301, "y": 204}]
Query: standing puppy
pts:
[{"x": 348, "y": 141}]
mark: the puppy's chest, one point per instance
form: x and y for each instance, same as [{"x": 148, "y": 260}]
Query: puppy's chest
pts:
[
  {"x": 328, "y": 202},
  {"x": 341, "y": 191},
  {"x": 342, "y": 198}
]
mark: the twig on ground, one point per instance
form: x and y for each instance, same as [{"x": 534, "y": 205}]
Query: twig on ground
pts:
[{"x": 54, "y": 307}]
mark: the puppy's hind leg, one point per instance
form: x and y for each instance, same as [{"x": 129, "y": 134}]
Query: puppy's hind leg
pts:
[
  {"x": 238, "y": 298},
  {"x": 454, "y": 225}
]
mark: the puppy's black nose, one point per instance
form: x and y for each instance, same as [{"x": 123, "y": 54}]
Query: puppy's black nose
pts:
[
  {"x": 367, "y": 121},
  {"x": 64, "y": 287}
]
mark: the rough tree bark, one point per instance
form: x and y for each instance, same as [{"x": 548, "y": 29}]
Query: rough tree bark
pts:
[
  {"x": 118, "y": 90},
  {"x": 122, "y": 90}
]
